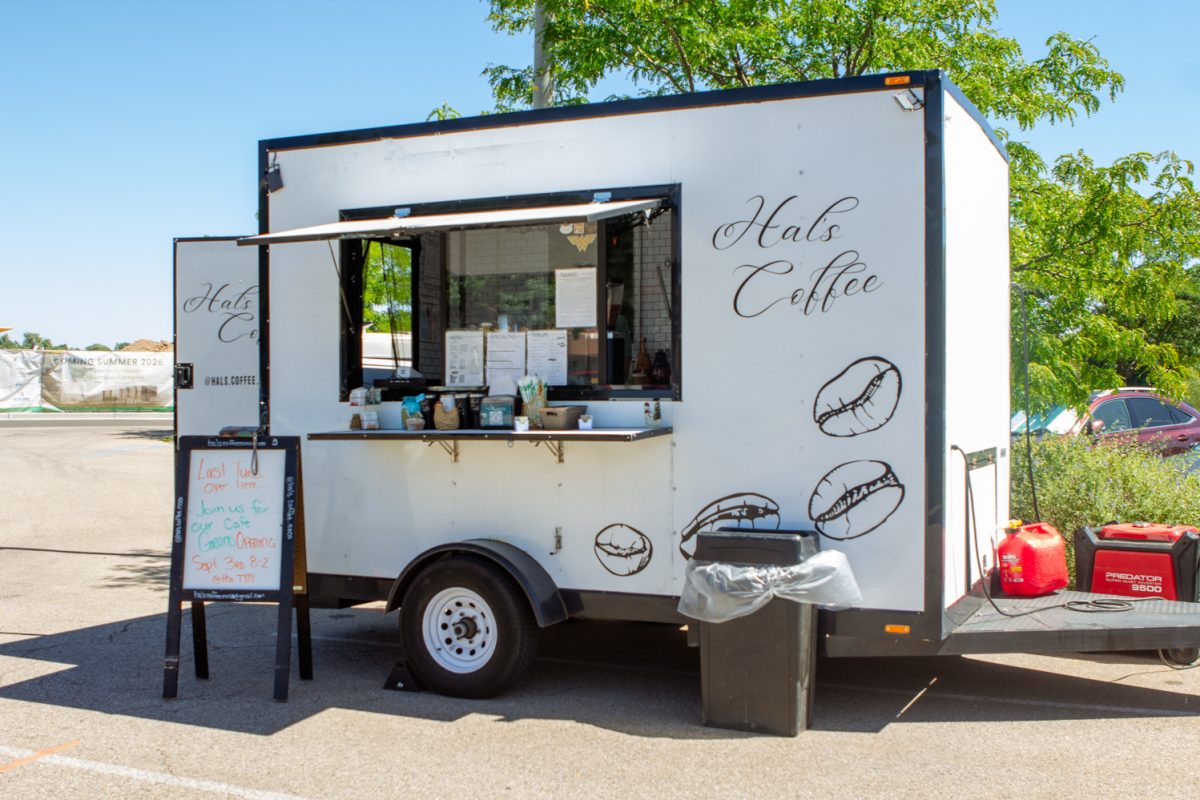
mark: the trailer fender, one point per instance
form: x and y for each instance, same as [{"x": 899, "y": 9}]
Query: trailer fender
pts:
[{"x": 539, "y": 588}]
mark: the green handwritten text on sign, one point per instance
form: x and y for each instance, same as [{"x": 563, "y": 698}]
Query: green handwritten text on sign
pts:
[{"x": 232, "y": 533}]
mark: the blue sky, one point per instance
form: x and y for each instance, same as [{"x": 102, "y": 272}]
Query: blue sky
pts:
[{"x": 126, "y": 123}]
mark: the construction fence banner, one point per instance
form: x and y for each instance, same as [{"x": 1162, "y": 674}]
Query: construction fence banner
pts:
[
  {"x": 86, "y": 380},
  {"x": 21, "y": 380},
  {"x": 97, "y": 380}
]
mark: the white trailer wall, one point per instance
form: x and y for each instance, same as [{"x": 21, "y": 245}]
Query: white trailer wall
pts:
[
  {"x": 977, "y": 359},
  {"x": 802, "y": 263},
  {"x": 216, "y": 332}
]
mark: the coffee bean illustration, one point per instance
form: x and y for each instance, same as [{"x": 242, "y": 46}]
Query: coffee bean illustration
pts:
[
  {"x": 623, "y": 550},
  {"x": 744, "y": 507},
  {"x": 854, "y": 499},
  {"x": 859, "y": 399}
]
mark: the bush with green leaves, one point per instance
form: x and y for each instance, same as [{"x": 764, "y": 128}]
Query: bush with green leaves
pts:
[{"x": 1079, "y": 483}]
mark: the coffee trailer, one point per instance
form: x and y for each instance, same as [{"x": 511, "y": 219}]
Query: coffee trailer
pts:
[{"x": 824, "y": 266}]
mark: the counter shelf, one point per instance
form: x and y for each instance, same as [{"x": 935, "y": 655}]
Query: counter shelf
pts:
[{"x": 448, "y": 440}]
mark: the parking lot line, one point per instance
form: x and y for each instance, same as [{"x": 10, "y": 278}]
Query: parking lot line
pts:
[
  {"x": 144, "y": 776},
  {"x": 49, "y": 751}
]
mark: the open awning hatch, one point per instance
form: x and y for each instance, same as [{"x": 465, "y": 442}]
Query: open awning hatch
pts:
[{"x": 399, "y": 226}]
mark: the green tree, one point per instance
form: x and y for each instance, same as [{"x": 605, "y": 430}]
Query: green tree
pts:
[
  {"x": 1103, "y": 255},
  {"x": 443, "y": 112},
  {"x": 671, "y": 46},
  {"x": 387, "y": 288},
  {"x": 98, "y": 346},
  {"x": 35, "y": 341},
  {"x": 7, "y": 343}
]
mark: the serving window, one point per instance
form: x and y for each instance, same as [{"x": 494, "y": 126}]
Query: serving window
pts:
[{"x": 589, "y": 305}]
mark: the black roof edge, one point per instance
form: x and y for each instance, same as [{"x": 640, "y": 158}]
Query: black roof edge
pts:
[{"x": 717, "y": 97}]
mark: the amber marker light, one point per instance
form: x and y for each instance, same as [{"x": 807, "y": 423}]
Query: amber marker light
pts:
[
  {"x": 897, "y": 80},
  {"x": 896, "y": 629}
]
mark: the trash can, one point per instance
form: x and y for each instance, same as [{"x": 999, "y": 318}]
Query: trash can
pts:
[{"x": 757, "y": 671}]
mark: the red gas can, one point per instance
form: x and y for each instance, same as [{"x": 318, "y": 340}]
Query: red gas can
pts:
[{"x": 1033, "y": 560}]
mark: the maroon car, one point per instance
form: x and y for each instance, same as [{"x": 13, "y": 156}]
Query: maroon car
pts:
[{"x": 1142, "y": 415}]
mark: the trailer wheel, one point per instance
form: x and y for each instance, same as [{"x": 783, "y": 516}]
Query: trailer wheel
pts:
[
  {"x": 1180, "y": 656},
  {"x": 468, "y": 630}
]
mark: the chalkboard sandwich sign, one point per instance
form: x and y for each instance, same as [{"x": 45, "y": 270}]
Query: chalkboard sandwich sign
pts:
[{"x": 238, "y": 536}]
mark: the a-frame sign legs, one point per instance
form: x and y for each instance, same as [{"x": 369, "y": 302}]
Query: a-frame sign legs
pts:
[
  {"x": 208, "y": 562},
  {"x": 199, "y": 639},
  {"x": 304, "y": 637}
]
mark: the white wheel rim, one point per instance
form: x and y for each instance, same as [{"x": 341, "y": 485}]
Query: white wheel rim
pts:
[{"x": 459, "y": 630}]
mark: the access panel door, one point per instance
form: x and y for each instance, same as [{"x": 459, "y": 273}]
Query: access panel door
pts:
[{"x": 217, "y": 378}]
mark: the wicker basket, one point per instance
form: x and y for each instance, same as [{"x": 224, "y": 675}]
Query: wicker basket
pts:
[{"x": 562, "y": 418}]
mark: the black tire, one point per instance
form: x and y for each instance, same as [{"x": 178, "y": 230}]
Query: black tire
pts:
[
  {"x": 1180, "y": 656},
  {"x": 459, "y": 662}
]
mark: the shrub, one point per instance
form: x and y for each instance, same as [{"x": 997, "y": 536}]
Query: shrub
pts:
[{"x": 1082, "y": 484}]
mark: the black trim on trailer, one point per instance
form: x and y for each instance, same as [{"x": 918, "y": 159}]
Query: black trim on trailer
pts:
[
  {"x": 720, "y": 97},
  {"x": 326, "y": 590},
  {"x": 623, "y": 606},
  {"x": 670, "y": 192},
  {"x": 602, "y": 371},
  {"x": 935, "y": 357},
  {"x": 264, "y": 298},
  {"x": 352, "y": 284}
]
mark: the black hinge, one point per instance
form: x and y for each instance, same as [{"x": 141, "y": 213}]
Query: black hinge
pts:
[{"x": 183, "y": 376}]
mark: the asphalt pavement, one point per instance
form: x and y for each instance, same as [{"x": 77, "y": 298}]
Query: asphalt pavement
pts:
[{"x": 610, "y": 709}]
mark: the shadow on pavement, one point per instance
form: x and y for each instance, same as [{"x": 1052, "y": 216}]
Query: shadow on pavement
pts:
[
  {"x": 153, "y": 434},
  {"x": 637, "y": 679},
  {"x": 152, "y": 570}
]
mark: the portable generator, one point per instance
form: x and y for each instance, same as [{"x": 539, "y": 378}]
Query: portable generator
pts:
[{"x": 1138, "y": 559}]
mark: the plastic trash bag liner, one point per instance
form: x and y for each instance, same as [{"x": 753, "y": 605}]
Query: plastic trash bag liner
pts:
[{"x": 718, "y": 592}]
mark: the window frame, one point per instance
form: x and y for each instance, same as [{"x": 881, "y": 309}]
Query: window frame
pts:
[
  {"x": 350, "y": 308},
  {"x": 351, "y": 282}
]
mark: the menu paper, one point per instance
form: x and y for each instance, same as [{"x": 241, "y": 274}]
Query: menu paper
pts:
[
  {"x": 505, "y": 358},
  {"x": 548, "y": 356},
  {"x": 575, "y": 298},
  {"x": 464, "y": 358},
  {"x": 233, "y": 535}
]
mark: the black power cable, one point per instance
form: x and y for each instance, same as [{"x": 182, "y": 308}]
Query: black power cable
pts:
[
  {"x": 1103, "y": 604},
  {"x": 1028, "y": 422}
]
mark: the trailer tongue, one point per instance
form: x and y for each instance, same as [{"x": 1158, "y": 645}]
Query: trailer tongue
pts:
[{"x": 1069, "y": 622}]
